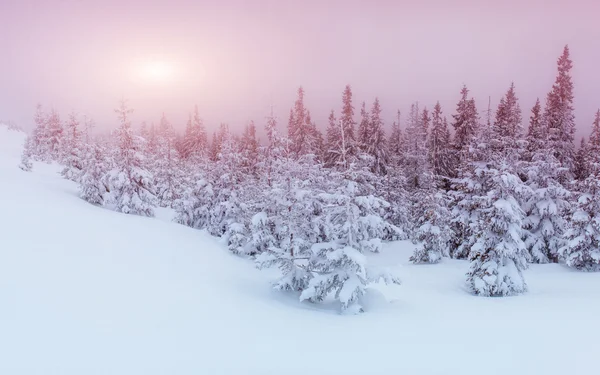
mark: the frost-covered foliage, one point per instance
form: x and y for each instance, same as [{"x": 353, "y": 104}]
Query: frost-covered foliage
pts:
[
  {"x": 416, "y": 162},
  {"x": 93, "y": 184},
  {"x": 350, "y": 225},
  {"x": 54, "y": 135},
  {"x": 195, "y": 139},
  {"x": 130, "y": 185},
  {"x": 223, "y": 200},
  {"x": 72, "y": 150},
  {"x": 433, "y": 234},
  {"x": 305, "y": 138},
  {"x": 165, "y": 166},
  {"x": 559, "y": 116},
  {"x": 438, "y": 144},
  {"x": 465, "y": 212},
  {"x": 466, "y": 129},
  {"x": 498, "y": 255},
  {"x": 317, "y": 208},
  {"x": 26, "y": 156},
  {"x": 546, "y": 208},
  {"x": 582, "y": 248}
]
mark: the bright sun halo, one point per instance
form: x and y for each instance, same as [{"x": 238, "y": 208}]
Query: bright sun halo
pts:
[{"x": 157, "y": 71}]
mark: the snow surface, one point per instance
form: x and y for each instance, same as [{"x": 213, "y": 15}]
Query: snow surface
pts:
[{"x": 84, "y": 290}]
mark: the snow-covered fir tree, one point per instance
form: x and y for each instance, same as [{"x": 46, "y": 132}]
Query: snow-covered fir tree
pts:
[
  {"x": 348, "y": 122},
  {"x": 363, "y": 128},
  {"x": 470, "y": 141},
  {"x": 334, "y": 138},
  {"x": 376, "y": 142},
  {"x": 250, "y": 150},
  {"x": 559, "y": 116},
  {"x": 498, "y": 256},
  {"x": 338, "y": 265},
  {"x": 93, "y": 183},
  {"x": 536, "y": 134},
  {"x": 433, "y": 233},
  {"x": 546, "y": 208},
  {"x": 130, "y": 184},
  {"x": 438, "y": 144},
  {"x": 415, "y": 158},
  {"x": 548, "y": 204},
  {"x": 195, "y": 140},
  {"x": 396, "y": 141},
  {"x": 580, "y": 164},
  {"x": 466, "y": 124},
  {"x": 165, "y": 167},
  {"x": 39, "y": 148},
  {"x": 55, "y": 135},
  {"x": 27, "y": 154},
  {"x": 588, "y": 151},
  {"x": 582, "y": 248},
  {"x": 72, "y": 149},
  {"x": 507, "y": 127},
  {"x": 302, "y": 132}
]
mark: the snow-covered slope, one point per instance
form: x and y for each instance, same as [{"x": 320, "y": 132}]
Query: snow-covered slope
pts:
[{"x": 84, "y": 290}]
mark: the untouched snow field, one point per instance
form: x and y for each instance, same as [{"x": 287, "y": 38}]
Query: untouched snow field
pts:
[{"x": 85, "y": 291}]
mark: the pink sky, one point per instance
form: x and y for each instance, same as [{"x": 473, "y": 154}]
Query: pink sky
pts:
[{"x": 235, "y": 58}]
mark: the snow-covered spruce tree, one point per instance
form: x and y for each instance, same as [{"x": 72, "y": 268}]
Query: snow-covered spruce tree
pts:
[
  {"x": 222, "y": 201},
  {"x": 334, "y": 139},
  {"x": 466, "y": 129},
  {"x": 433, "y": 234},
  {"x": 130, "y": 184},
  {"x": 559, "y": 116},
  {"x": 249, "y": 149},
  {"x": 195, "y": 206},
  {"x": 588, "y": 151},
  {"x": 305, "y": 229},
  {"x": 93, "y": 183},
  {"x": 438, "y": 144},
  {"x": 165, "y": 166},
  {"x": 499, "y": 255},
  {"x": 287, "y": 217},
  {"x": 55, "y": 136},
  {"x": 302, "y": 132},
  {"x": 195, "y": 140},
  {"x": 350, "y": 225},
  {"x": 39, "y": 136},
  {"x": 581, "y": 168},
  {"x": 414, "y": 151},
  {"x": 536, "y": 134},
  {"x": 72, "y": 150},
  {"x": 26, "y": 163},
  {"x": 88, "y": 125},
  {"x": 363, "y": 128},
  {"x": 396, "y": 143},
  {"x": 376, "y": 142},
  {"x": 507, "y": 128},
  {"x": 348, "y": 123},
  {"x": 470, "y": 150},
  {"x": 548, "y": 204},
  {"x": 394, "y": 184},
  {"x": 582, "y": 248},
  {"x": 546, "y": 208}
]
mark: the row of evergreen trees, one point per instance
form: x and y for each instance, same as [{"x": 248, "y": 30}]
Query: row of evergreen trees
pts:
[{"x": 490, "y": 191}]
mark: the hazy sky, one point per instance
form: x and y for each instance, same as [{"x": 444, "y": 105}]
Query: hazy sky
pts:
[{"x": 235, "y": 58}]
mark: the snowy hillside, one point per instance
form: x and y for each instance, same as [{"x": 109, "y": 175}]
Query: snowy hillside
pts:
[{"x": 85, "y": 290}]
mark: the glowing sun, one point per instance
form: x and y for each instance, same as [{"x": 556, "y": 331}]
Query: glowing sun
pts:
[{"x": 157, "y": 71}]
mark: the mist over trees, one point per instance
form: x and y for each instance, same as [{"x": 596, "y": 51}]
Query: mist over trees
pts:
[{"x": 500, "y": 192}]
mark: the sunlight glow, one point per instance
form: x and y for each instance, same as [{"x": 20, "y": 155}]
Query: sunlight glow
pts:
[{"x": 157, "y": 71}]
